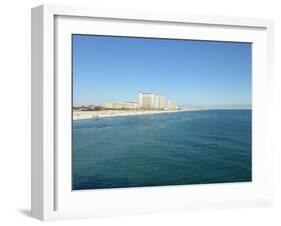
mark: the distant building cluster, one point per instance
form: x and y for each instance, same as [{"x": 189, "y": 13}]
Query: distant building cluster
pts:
[{"x": 147, "y": 101}]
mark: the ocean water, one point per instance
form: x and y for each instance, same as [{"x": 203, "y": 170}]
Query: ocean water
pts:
[{"x": 199, "y": 147}]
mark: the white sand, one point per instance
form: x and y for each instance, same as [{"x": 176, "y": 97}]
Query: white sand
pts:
[{"x": 117, "y": 113}]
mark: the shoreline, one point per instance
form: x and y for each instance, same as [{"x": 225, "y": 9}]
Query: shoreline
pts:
[{"x": 79, "y": 115}]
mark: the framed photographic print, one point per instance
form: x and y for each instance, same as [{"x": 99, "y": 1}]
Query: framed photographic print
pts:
[{"x": 137, "y": 112}]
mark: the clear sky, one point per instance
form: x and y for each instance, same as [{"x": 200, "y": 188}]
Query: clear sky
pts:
[{"x": 113, "y": 69}]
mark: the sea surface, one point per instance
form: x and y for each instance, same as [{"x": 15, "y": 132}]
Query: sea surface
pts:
[{"x": 198, "y": 147}]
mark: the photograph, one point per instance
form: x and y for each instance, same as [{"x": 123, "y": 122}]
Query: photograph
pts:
[{"x": 152, "y": 111}]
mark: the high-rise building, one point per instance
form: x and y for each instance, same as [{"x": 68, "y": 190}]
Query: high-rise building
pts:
[
  {"x": 159, "y": 102},
  {"x": 146, "y": 100},
  {"x": 172, "y": 105}
]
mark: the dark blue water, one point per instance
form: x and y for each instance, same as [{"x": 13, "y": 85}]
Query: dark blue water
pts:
[{"x": 166, "y": 149}]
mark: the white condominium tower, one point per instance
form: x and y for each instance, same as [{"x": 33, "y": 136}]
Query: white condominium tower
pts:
[
  {"x": 151, "y": 101},
  {"x": 158, "y": 102},
  {"x": 146, "y": 100}
]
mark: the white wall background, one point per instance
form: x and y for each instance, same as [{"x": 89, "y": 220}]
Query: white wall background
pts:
[{"x": 15, "y": 112}]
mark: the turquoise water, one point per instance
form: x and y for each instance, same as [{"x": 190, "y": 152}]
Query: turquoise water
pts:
[{"x": 197, "y": 147}]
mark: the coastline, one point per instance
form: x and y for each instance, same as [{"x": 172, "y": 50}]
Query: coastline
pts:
[{"x": 79, "y": 115}]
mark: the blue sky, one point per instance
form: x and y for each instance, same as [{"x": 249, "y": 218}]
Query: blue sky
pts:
[{"x": 114, "y": 69}]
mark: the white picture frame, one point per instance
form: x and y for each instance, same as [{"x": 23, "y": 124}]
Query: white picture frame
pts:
[{"x": 52, "y": 197}]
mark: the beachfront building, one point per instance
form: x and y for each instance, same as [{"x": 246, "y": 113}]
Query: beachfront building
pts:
[
  {"x": 109, "y": 105},
  {"x": 131, "y": 105},
  {"x": 126, "y": 105},
  {"x": 172, "y": 105},
  {"x": 159, "y": 102},
  {"x": 146, "y": 100}
]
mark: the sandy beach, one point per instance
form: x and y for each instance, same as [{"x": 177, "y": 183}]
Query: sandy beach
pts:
[{"x": 77, "y": 115}]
